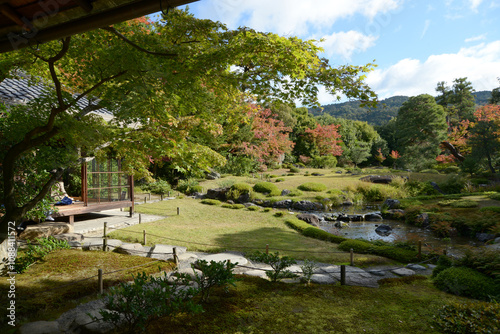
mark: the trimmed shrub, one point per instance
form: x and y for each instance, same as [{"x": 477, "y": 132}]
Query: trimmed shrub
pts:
[
  {"x": 295, "y": 193},
  {"x": 227, "y": 205},
  {"x": 496, "y": 196},
  {"x": 294, "y": 169},
  {"x": 253, "y": 208},
  {"x": 453, "y": 184},
  {"x": 159, "y": 187},
  {"x": 279, "y": 214},
  {"x": 429, "y": 171},
  {"x": 359, "y": 246},
  {"x": 476, "y": 317},
  {"x": 297, "y": 224},
  {"x": 189, "y": 186},
  {"x": 238, "y": 206},
  {"x": 239, "y": 189},
  {"x": 209, "y": 201},
  {"x": 316, "y": 233},
  {"x": 312, "y": 186},
  {"x": 279, "y": 180},
  {"x": 467, "y": 282},
  {"x": 391, "y": 252},
  {"x": 268, "y": 188}
]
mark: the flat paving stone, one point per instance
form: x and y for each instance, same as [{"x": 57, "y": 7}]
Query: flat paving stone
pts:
[
  {"x": 224, "y": 257},
  {"x": 403, "y": 272},
  {"x": 323, "y": 279}
]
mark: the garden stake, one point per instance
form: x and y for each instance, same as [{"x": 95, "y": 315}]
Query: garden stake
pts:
[
  {"x": 178, "y": 211},
  {"x": 145, "y": 201},
  {"x": 140, "y": 218},
  {"x": 342, "y": 275},
  {"x": 161, "y": 197},
  {"x": 100, "y": 282},
  {"x": 149, "y": 196},
  {"x": 176, "y": 259}
]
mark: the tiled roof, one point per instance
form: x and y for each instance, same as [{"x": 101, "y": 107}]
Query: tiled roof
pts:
[{"x": 17, "y": 91}]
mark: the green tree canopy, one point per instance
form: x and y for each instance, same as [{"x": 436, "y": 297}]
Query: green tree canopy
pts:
[
  {"x": 159, "y": 79},
  {"x": 420, "y": 128}
]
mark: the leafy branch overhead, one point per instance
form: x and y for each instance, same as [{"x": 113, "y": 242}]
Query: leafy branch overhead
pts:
[{"x": 162, "y": 81}]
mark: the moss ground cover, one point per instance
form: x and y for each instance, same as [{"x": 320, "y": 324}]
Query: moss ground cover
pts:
[
  {"x": 39, "y": 295},
  {"x": 258, "y": 306}
]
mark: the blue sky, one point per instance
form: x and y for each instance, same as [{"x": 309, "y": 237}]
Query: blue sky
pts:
[{"x": 415, "y": 43}]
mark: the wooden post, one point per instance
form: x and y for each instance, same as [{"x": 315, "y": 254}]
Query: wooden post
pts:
[
  {"x": 161, "y": 197},
  {"x": 178, "y": 211},
  {"x": 144, "y": 237},
  {"x": 352, "y": 257},
  {"x": 168, "y": 194},
  {"x": 145, "y": 199},
  {"x": 176, "y": 258},
  {"x": 267, "y": 249},
  {"x": 140, "y": 218},
  {"x": 342, "y": 275},
  {"x": 104, "y": 234},
  {"x": 149, "y": 196},
  {"x": 100, "y": 281},
  {"x": 105, "y": 243},
  {"x": 420, "y": 249}
]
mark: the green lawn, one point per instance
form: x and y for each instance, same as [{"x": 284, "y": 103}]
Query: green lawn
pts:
[{"x": 201, "y": 227}]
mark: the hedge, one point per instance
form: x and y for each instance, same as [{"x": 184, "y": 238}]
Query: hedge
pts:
[
  {"x": 391, "y": 252},
  {"x": 467, "y": 282}
]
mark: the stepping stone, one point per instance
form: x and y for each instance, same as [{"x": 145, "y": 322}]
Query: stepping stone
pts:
[
  {"x": 131, "y": 249},
  {"x": 256, "y": 273},
  {"x": 323, "y": 279},
  {"x": 415, "y": 267},
  {"x": 377, "y": 272},
  {"x": 403, "y": 272},
  {"x": 165, "y": 252}
]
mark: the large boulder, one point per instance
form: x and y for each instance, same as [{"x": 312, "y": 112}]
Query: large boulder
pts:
[
  {"x": 393, "y": 214},
  {"x": 422, "y": 220},
  {"x": 385, "y": 179},
  {"x": 212, "y": 175},
  {"x": 217, "y": 193},
  {"x": 383, "y": 230},
  {"x": 373, "y": 217},
  {"x": 391, "y": 203},
  {"x": 309, "y": 218},
  {"x": 483, "y": 237},
  {"x": 285, "y": 204},
  {"x": 307, "y": 206},
  {"x": 45, "y": 230}
]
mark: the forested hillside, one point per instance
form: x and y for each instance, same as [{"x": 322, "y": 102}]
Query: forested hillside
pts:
[{"x": 386, "y": 109}]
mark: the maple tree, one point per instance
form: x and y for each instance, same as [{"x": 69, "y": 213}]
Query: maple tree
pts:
[
  {"x": 152, "y": 76},
  {"x": 326, "y": 139},
  {"x": 270, "y": 137}
]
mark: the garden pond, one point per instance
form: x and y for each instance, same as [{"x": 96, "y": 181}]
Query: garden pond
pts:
[{"x": 401, "y": 231}]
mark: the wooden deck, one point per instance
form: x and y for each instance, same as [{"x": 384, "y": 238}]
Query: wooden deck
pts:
[{"x": 78, "y": 208}]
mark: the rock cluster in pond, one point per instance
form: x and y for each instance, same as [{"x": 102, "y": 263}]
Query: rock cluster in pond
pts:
[
  {"x": 310, "y": 218},
  {"x": 383, "y": 230}
]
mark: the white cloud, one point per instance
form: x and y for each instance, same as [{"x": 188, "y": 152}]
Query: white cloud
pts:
[
  {"x": 426, "y": 27},
  {"x": 292, "y": 17},
  {"x": 347, "y": 43},
  {"x": 411, "y": 77},
  {"x": 474, "y": 4},
  {"x": 476, "y": 38}
]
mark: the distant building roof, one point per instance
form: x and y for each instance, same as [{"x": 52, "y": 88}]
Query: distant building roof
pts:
[{"x": 21, "y": 91}]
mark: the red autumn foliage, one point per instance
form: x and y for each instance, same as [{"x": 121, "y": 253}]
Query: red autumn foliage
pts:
[
  {"x": 326, "y": 138},
  {"x": 271, "y": 140}
]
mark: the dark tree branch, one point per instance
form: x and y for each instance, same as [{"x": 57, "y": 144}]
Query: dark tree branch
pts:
[
  {"x": 128, "y": 41},
  {"x": 453, "y": 150}
]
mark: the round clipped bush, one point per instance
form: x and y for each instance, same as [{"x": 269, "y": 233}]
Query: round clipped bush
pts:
[
  {"x": 239, "y": 189},
  {"x": 312, "y": 186},
  {"x": 279, "y": 214},
  {"x": 359, "y": 246},
  {"x": 467, "y": 282},
  {"x": 294, "y": 169},
  {"x": 253, "y": 208},
  {"x": 268, "y": 188},
  {"x": 209, "y": 201}
]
